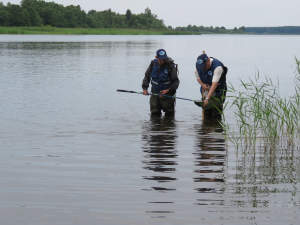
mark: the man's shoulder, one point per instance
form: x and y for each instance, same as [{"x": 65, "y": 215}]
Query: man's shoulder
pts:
[
  {"x": 216, "y": 62},
  {"x": 170, "y": 61},
  {"x": 152, "y": 62}
]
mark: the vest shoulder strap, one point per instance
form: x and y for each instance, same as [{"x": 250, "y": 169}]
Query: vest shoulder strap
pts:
[
  {"x": 170, "y": 65},
  {"x": 225, "y": 70},
  {"x": 152, "y": 63}
]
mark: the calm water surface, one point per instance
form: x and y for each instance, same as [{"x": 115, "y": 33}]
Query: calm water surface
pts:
[{"x": 75, "y": 151}]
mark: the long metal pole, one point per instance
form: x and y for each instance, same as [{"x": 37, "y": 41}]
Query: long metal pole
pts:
[
  {"x": 169, "y": 96},
  {"x": 203, "y": 97}
]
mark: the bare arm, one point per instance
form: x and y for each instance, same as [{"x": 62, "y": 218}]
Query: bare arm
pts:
[
  {"x": 210, "y": 93},
  {"x": 216, "y": 77}
]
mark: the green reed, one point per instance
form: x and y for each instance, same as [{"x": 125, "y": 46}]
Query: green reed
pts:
[
  {"x": 263, "y": 116},
  {"x": 88, "y": 31}
]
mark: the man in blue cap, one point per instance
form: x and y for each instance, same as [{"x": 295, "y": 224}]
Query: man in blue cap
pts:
[
  {"x": 162, "y": 73},
  {"x": 211, "y": 75}
]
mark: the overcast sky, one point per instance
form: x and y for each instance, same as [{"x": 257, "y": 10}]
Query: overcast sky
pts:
[{"x": 230, "y": 14}]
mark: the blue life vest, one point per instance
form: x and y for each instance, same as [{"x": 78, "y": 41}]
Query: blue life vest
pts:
[
  {"x": 160, "y": 77},
  {"x": 206, "y": 76}
]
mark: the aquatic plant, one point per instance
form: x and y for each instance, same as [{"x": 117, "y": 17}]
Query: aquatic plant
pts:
[{"x": 263, "y": 116}]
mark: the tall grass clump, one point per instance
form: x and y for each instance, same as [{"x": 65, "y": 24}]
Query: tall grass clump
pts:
[{"x": 263, "y": 116}]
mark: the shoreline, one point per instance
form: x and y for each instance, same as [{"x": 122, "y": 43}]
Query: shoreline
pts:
[
  {"x": 106, "y": 31},
  {"x": 89, "y": 31}
]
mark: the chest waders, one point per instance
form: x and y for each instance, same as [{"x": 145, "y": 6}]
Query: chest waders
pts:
[
  {"x": 160, "y": 81},
  {"x": 215, "y": 103}
]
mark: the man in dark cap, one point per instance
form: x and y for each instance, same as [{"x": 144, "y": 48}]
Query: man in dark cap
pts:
[
  {"x": 162, "y": 73},
  {"x": 211, "y": 75}
]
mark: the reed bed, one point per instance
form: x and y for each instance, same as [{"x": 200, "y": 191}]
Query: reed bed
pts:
[
  {"x": 263, "y": 116},
  {"x": 88, "y": 31}
]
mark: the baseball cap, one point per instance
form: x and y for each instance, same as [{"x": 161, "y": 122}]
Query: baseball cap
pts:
[
  {"x": 161, "y": 54},
  {"x": 201, "y": 61}
]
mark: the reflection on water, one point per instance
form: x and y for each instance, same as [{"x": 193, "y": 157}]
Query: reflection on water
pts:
[
  {"x": 159, "y": 136},
  {"x": 74, "y": 151},
  {"x": 160, "y": 139},
  {"x": 210, "y": 157},
  {"x": 270, "y": 177}
]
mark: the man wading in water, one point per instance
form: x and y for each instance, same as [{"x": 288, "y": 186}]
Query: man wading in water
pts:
[
  {"x": 211, "y": 75},
  {"x": 162, "y": 73}
]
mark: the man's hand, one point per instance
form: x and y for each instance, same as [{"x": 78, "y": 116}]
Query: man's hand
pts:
[
  {"x": 205, "y": 103},
  {"x": 145, "y": 92},
  {"x": 206, "y": 87},
  {"x": 164, "y": 92}
]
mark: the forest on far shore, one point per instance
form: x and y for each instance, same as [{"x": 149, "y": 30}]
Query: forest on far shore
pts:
[
  {"x": 274, "y": 30},
  {"x": 38, "y": 13}
]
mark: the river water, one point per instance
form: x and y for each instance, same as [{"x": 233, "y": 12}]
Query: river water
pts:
[{"x": 73, "y": 150}]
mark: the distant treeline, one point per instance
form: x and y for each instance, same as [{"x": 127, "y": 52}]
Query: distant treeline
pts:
[
  {"x": 210, "y": 29},
  {"x": 241, "y": 30},
  {"x": 38, "y": 13},
  {"x": 274, "y": 30},
  {"x": 34, "y": 13}
]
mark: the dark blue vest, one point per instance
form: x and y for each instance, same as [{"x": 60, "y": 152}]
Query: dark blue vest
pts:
[
  {"x": 160, "y": 77},
  {"x": 206, "y": 76}
]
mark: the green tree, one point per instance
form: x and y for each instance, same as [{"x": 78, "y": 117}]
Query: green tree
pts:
[
  {"x": 35, "y": 18},
  {"x": 201, "y": 28},
  {"x": 158, "y": 24},
  {"x": 92, "y": 12},
  {"x": 134, "y": 20},
  {"x": 4, "y": 20},
  {"x": 148, "y": 12},
  {"x": 70, "y": 18},
  {"x": 243, "y": 29},
  {"x": 46, "y": 14},
  {"x": 92, "y": 22},
  {"x": 27, "y": 3},
  {"x": 15, "y": 16},
  {"x": 195, "y": 28},
  {"x": 31, "y": 6},
  {"x": 57, "y": 19},
  {"x": 39, "y": 12},
  {"x": 79, "y": 14},
  {"x": 26, "y": 18},
  {"x": 128, "y": 14}
]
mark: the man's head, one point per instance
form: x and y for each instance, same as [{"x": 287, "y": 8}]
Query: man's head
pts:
[
  {"x": 161, "y": 56},
  {"x": 203, "y": 62}
]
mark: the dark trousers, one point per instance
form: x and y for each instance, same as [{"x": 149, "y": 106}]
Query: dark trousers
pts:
[{"x": 167, "y": 104}]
